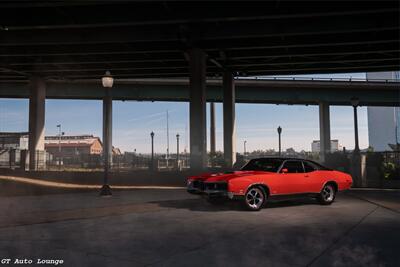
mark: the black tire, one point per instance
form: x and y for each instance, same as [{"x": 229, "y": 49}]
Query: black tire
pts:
[
  {"x": 327, "y": 194},
  {"x": 255, "y": 198}
]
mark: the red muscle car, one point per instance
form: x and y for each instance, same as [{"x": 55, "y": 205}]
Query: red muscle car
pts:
[{"x": 272, "y": 178}]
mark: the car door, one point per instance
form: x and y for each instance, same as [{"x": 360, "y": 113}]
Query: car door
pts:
[
  {"x": 292, "y": 177},
  {"x": 313, "y": 177}
]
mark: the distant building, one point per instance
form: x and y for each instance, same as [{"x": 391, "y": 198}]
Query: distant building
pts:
[
  {"x": 290, "y": 152},
  {"x": 14, "y": 140},
  {"x": 72, "y": 146},
  {"x": 116, "y": 151},
  {"x": 383, "y": 122},
  {"x": 315, "y": 146}
]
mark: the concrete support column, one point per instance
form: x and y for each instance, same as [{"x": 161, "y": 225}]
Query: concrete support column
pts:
[
  {"x": 357, "y": 157},
  {"x": 107, "y": 140},
  {"x": 229, "y": 119},
  {"x": 324, "y": 130},
  {"x": 212, "y": 132},
  {"x": 37, "y": 158},
  {"x": 198, "y": 131}
]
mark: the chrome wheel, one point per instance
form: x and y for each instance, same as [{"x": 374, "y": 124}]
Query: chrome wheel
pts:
[
  {"x": 255, "y": 198},
  {"x": 328, "y": 193}
]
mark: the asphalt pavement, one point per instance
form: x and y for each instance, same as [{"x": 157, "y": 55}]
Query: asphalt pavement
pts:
[{"x": 172, "y": 228}]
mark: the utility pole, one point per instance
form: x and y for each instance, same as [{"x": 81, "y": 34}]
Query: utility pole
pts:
[{"x": 244, "y": 147}]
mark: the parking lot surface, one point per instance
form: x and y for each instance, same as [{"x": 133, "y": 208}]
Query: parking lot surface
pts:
[{"x": 173, "y": 228}]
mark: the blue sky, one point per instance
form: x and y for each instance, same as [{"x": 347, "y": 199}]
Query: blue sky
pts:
[{"x": 133, "y": 121}]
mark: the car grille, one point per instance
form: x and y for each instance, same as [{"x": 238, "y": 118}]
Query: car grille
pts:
[{"x": 202, "y": 186}]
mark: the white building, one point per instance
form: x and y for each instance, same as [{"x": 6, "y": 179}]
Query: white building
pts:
[
  {"x": 14, "y": 140},
  {"x": 383, "y": 122},
  {"x": 315, "y": 146}
]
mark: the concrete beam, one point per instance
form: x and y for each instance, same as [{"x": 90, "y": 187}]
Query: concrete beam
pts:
[
  {"x": 229, "y": 119},
  {"x": 247, "y": 91},
  {"x": 197, "y": 108},
  {"x": 324, "y": 131},
  {"x": 37, "y": 158}
]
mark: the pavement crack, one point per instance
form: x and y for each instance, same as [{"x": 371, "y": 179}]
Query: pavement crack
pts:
[{"x": 341, "y": 237}]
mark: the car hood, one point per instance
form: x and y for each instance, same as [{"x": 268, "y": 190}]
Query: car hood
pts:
[{"x": 225, "y": 176}]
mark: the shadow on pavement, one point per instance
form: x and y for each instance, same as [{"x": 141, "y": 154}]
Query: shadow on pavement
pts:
[{"x": 228, "y": 205}]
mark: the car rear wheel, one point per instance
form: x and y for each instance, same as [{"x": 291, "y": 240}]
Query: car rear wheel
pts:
[
  {"x": 327, "y": 195},
  {"x": 255, "y": 198}
]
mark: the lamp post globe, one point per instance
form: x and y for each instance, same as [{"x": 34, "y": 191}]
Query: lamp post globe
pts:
[{"x": 107, "y": 80}]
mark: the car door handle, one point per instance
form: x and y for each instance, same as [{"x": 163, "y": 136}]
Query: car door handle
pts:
[{"x": 306, "y": 176}]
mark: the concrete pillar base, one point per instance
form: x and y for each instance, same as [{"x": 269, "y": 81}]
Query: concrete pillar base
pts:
[{"x": 356, "y": 170}]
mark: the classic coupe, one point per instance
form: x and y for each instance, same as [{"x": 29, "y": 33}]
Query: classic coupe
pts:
[{"x": 265, "y": 179}]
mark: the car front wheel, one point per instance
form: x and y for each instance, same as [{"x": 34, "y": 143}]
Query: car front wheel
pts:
[
  {"x": 255, "y": 198},
  {"x": 327, "y": 195}
]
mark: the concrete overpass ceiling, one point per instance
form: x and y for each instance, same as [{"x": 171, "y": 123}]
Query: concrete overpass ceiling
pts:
[{"x": 70, "y": 40}]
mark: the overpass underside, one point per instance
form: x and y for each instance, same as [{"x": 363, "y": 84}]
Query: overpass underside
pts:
[{"x": 62, "y": 50}]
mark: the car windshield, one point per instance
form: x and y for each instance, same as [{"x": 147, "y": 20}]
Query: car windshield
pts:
[{"x": 268, "y": 165}]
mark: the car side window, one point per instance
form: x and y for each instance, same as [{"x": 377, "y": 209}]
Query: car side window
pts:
[
  {"x": 293, "y": 166},
  {"x": 309, "y": 167}
]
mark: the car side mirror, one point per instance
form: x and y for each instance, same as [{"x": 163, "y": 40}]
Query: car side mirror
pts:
[{"x": 284, "y": 170}]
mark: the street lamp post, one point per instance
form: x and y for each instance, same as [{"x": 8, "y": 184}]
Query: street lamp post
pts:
[
  {"x": 59, "y": 145},
  {"x": 107, "y": 81},
  {"x": 177, "y": 151},
  {"x": 279, "y": 135},
  {"x": 244, "y": 147},
  {"x": 355, "y": 103},
  {"x": 152, "y": 151}
]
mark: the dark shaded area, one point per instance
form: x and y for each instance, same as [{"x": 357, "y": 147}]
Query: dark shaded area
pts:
[
  {"x": 202, "y": 204},
  {"x": 131, "y": 231},
  {"x": 76, "y": 40}
]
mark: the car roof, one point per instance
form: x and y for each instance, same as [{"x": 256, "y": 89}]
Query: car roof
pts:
[
  {"x": 282, "y": 158},
  {"x": 291, "y": 158}
]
